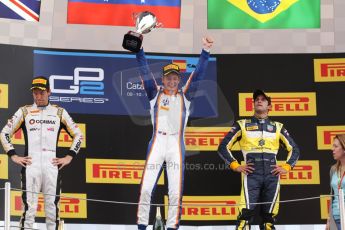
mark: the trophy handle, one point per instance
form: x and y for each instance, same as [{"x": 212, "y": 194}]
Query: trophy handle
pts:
[
  {"x": 134, "y": 16},
  {"x": 159, "y": 25}
]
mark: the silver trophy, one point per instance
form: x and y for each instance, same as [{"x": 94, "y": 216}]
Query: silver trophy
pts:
[{"x": 145, "y": 22}]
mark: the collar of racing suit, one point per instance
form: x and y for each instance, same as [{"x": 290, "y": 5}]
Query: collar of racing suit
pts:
[
  {"x": 167, "y": 92},
  {"x": 261, "y": 120},
  {"x": 41, "y": 107}
]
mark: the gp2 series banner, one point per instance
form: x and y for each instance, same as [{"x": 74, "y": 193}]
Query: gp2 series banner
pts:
[{"x": 99, "y": 83}]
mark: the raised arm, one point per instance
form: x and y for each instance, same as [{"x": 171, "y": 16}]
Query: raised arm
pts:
[
  {"x": 146, "y": 75},
  {"x": 199, "y": 72}
]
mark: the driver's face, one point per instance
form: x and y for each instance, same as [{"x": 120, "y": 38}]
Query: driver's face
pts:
[
  {"x": 41, "y": 97},
  {"x": 171, "y": 81},
  {"x": 261, "y": 104}
]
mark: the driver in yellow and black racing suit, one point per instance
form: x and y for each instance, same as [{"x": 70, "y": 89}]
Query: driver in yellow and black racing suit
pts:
[{"x": 259, "y": 139}]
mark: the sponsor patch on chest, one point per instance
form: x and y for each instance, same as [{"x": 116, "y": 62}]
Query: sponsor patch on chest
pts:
[
  {"x": 252, "y": 127},
  {"x": 270, "y": 128},
  {"x": 165, "y": 104}
]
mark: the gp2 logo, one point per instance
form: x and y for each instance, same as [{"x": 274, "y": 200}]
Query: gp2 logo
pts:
[{"x": 86, "y": 81}]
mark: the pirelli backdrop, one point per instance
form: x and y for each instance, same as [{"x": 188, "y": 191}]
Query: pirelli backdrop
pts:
[{"x": 307, "y": 95}]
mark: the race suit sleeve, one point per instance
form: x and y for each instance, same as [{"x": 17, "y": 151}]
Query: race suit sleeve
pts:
[
  {"x": 9, "y": 129},
  {"x": 74, "y": 131},
  {"x": 292, "y": 148},
  {"x": 146, "y": 75},
  {"x": 197, "y": 75},
  {"x": 224, "y": 149}
]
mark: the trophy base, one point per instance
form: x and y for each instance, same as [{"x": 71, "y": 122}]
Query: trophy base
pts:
[{"x": 132, "y": 41}]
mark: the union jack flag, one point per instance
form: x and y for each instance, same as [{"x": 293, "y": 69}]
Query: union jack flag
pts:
[{"x": 28, "y": 10}]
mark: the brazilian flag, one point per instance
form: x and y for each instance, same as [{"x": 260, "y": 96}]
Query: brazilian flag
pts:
[{"x": 263, "y": 14}]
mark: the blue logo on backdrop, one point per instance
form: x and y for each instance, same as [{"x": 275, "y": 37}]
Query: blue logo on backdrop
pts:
[{"x": 103, "y": 83}]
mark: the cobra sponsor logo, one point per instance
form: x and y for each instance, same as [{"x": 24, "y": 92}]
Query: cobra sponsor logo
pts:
[
  {"x": 206, "y": 138},
  {"x": 325, "y": 204},
  {"x": 3, "y": 96},
  {"x": 116, "y": 171},
  {"x": 329, "y": 70},
  {"x": 84, "y": 86},
  {"x": 72, "y": 205},
  {"x": 3, "y": 166},
  {"x": 304, "y": 172},
  {"x": 283, "y": 104},
  {"x": 207, "y": 208},
  {"x": 34, "y": 111},
  {"x": 326, "y": 134},
  {"x": 65, "y": 140},
  {"x": 49, "y": 122}
]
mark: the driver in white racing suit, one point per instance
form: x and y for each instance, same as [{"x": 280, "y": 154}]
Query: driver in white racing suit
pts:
[{"x": 41, "y": 124}]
